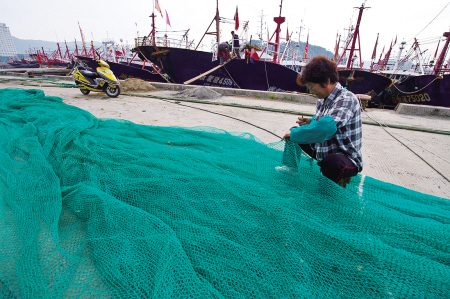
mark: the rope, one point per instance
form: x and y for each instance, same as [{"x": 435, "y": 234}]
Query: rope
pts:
[
  {"x": 26, "y": 82},
  {"x": 419, "y": 89},
  {"x": 431, "y": 21},
  {"x": 283, "y": 111},
  {"x": 267, "y": 78},
  {"x": 381, "y": 125},
  {"x": 178, "y": 103},
  {"x": 152, "y": 65},
  {"x": 231, "y": 77},
  {"x": 442, "y": 132},
  {"x": 384, "y": 128}
]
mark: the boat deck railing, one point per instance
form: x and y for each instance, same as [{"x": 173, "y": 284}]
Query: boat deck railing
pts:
[{"x": 162, "y": 41}]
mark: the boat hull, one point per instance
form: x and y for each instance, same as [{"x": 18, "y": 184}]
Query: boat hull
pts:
[
  {"x": 20, "y": 64},
  {"x": 122, "y": 71},
  {"x": 184, "y": 64},
  {"x": 364, "y": 82},
  {"x": 423, "y": 90}
]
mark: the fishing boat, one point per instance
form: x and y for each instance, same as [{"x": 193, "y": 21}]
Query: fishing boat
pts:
[
  {"x": 426, "y": 89},
  {"x": 192, "y": 66},
  {"x": 125, "y": 71},
  {"x": 359, "y": 81},
  {"x": 23, "y": 64},
  {"x": 117, "y": 58}
]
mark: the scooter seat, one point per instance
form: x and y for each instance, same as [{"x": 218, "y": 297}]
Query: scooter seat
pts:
[{"x": 88, "y": 74}]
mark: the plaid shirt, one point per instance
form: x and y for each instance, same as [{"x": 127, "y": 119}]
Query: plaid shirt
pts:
[{"x": 343, "y": 106}]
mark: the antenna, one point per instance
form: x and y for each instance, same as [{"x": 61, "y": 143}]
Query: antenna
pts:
[{"x": 300, "y": 35}]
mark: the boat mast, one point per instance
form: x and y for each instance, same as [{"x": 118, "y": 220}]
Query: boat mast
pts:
[
  {"x": 76, "y": 47},
  {"x": 279, "y": 20},
  {"x": 437, "y": 67},
  {"x": 419, "y": 56},
  {"x": 402, "y": 46},
  {"x": 261, "y": 28},
  {"x": 353, "y": 40},
  {"x": 299, "y": 37},
  {"x": 374, "y": 54},
  {"x": 59, "y": 51},
  {"x": 217, "y": 33},
  {"x": 385, "y": 61},
  {"x": 153, "y": 33},
  {"x": 217, "y": 23},
  {"x": 336, "y": 49}
]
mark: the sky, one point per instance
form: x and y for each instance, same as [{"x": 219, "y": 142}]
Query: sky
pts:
[{"x": 53, "y": 20}]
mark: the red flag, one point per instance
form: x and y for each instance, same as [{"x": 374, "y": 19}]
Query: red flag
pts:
[
  {"x": 306, "y": 47},
  {"x": 435, "y": 54},
  {"x": 381, "y": 53},
  {"x": 287, "y": 34},
  {"x": 82, "y": 35},
  {"x": 236, "y": 19},
  {"x": 123, "y": 50},
  {"x": 158, "y": 8},
  {"x": 167, "y": 19},
  {"x": 336, "y": 49},
  {"x": 374, "y": 54}
]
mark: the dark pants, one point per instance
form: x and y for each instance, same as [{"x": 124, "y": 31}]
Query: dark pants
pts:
[
  {"x": 223, "y": 52},
  {"x": 236, "y": 52},
  {"x": 333, "y": 166}
]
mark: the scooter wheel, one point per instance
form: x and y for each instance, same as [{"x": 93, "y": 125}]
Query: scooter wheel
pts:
[
  {"x": 85, "y": 91},
  {"x": 112, "y": 92}
]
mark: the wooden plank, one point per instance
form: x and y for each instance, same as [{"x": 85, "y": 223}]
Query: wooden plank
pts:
[{"x": 206, "y": 73}]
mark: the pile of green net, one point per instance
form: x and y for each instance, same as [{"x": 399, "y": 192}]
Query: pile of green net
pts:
[{"x": 105, "y": 208}]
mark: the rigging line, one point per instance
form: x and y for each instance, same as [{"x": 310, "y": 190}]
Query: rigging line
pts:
[
  {"x": 231, "y": 77},
  {"x": 431, "y": 37},
  {"x": 267, "y": 78},
  {"x": 384, "y": 128},
  {"x": 430, "y": 22},
  {"x": 178, "y": 103},
  {"x": 151, "y": 63},
  {"x": 419, "y": 89}
]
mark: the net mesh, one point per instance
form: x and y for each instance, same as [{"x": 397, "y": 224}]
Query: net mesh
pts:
[{"x": 104, "y": 208}]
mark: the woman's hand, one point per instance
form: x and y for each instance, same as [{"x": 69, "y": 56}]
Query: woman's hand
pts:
[
  {"x": 303, "y": 121},
  {"x": 287, "y": 136}
]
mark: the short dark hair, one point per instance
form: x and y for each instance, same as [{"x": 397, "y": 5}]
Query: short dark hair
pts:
[
  {"x": 319, "y": 70},
  {"x": 232, "y": 32}
]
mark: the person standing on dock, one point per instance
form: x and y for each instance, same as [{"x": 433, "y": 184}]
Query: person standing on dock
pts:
[
  {"x": 236, "y": 45},
  {"x": 224, "y": 52},
  {"x": 333, "y": 136}
]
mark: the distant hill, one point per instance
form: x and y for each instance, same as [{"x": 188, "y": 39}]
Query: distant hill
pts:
[
  {"x": 312, "y": 49},
  {"x": 24, "y": 45}
]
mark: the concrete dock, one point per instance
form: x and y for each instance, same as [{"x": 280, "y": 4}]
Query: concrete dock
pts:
[{"x": 399, "y": 147}]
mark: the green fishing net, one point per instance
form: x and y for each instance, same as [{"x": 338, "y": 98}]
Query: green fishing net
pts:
[{"x": 105, "y": 208}]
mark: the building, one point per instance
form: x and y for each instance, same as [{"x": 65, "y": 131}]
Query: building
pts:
[{"x": 7, "y": 47}]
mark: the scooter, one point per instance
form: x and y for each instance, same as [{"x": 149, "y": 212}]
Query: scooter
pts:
[{"x": 103, "y": 80}]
